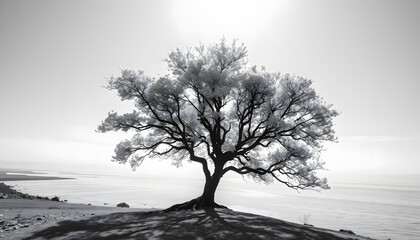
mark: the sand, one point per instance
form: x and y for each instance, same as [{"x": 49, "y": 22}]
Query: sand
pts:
[{"x": 20, "y": 218}]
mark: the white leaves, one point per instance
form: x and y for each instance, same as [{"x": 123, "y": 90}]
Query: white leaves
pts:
[
  {"x": 228, "y": 56},
  {"x": 164, "y": 95},
  {"x": 178, "y": 61},
  {"x": 136, "y": 161},
  {"x": 128, "y": 84},
  {"x": 165, "y": 87},
  {"x": 270, "y": 126},
  {"x": 123, "y": 151},
  {"x": 125, "y": 122}
]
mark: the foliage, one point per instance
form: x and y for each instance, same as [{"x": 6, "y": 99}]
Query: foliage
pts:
[{"x": 212, "y": 108}]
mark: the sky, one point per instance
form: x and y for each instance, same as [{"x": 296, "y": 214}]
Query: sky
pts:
[{"x": 56, "y": 56}]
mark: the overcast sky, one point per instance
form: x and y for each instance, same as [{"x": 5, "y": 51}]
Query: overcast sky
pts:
[{"x": 55, "y": 56}]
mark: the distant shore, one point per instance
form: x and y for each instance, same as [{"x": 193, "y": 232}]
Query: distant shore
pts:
[
  {"x": 33, "y": 217},
  {"x": 19, "y": 175}
]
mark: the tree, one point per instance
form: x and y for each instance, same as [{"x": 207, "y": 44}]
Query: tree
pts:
[{"x": 214, "y": 110}]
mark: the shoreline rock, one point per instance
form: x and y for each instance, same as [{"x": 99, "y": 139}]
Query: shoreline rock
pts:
[{"x": 123, "y": 205}]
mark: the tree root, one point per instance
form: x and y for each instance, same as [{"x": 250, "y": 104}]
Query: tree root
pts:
[{"x": 194, "y": 204}]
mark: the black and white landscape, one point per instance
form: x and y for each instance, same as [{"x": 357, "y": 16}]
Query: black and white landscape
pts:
[{"x": 223, "y": 109}]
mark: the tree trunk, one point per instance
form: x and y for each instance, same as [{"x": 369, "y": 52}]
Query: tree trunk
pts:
[{"x": 206, "y": 200}]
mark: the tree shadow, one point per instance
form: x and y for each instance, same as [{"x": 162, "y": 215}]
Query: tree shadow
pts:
[{"x": 203, "y": 224}]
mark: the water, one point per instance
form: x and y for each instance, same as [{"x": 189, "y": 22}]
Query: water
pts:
[{"x": 376, "y": 211}]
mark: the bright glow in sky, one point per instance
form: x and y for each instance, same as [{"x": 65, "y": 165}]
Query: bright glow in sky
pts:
[
  {"x": 55, "y": 55},
  {"x": 207, "y": 20}
]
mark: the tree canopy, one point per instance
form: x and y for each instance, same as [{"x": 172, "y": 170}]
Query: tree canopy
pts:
[{"x": 214, "y": 109}]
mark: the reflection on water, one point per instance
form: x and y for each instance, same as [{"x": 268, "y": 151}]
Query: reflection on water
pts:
[{"x": 377, "y": 211}]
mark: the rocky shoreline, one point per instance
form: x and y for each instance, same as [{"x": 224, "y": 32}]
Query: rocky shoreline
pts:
[
  {"x": 22, "y": 214},
  {"x": 7, "y": 192},
  {"x": 8, "y": 224}
]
